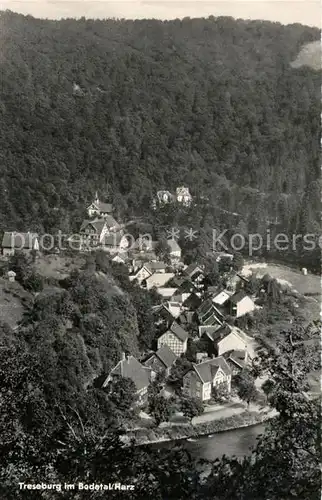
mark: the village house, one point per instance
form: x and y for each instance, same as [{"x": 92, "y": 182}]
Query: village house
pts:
[
  {"x": 156, "y": 266},
  {"x": 161, "y": 361},
  {"x": 97, "y": 208},
  {"x": 166, "y": 312},
  {"x": 92, "y": 233},
  {"x": 24, "y": 242},
  {"x": 176, "y": 338},
  {"x": 208, "y": 314},
  {"x": 175, "y": 251},
  {"x": 203, "y": 377},
  {"x": 157, "y": 280},
  {"x": 237, "y": 360},
  {"x": 183, "y": 196},
  {"x": 223, "y": 339},
  {"x": 130, "y": 367},
  {"x": 140, "y": 274},
  {"x": 121, "y": 257},
  {"x": 196, "y": 275},
  {"x": 11, "y": 276},
  {"x": 240, "y": 304}
]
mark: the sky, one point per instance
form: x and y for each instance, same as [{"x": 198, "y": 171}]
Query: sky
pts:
[{"x": 284, "y": 11}]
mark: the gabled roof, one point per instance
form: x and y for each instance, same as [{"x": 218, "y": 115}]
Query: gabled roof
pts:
[
  {"x": 192, "y": 302},
  {"x": 193, "y": 269},
  {"x": 156, "y": 266},
  {"x": 166, "y": 356},
  {"x": 208, "y": 330},
  {"x": 178, "y": 331},
  {"x": 19, "y": 240},
  {"x": 97, "y": 224},
  {"x": 111, "y": 222},
  {"x": 221, "y": 297},
  {"x": 237, "y": 357},
  {"x": 102, "y": 207},
  {"x": 173, "y": 244},
  {"x": 183, "y": 191},
  {"x": 131, "y": 368},
  {"x": 160, "y": 195},
  {"x": 207, "y": 370},
  {"x": 205, "y": 307},
  {"x": 237, "y": 297},
  {"x": 158, "y": 279}
]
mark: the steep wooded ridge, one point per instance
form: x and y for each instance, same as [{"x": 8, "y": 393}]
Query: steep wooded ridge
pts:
[{"x": 129, "y": 107}]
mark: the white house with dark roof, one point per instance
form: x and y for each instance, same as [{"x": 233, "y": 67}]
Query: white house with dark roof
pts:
[
  {"x": 175, "y": 250},
  {"x": 24, "y": 242},
  {"x": 97, "y": 208},
  {"x": 140, "y": 274},
  {"x": 130, "y": 367},
  {"x": 183, "y": 195},
  {"x": 200, "y": 380},
  {"x": 92, "y": 233},
  {"x": 176, "y": 338},
  {"x": 240, "y": 304},
  {"x": 224, "y": 339}
]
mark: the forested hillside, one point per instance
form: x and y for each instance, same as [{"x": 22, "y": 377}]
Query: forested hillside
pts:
[{"x": 129, "y": 107}]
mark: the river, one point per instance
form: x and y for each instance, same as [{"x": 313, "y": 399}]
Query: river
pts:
[{"x": 237, "y": 442}]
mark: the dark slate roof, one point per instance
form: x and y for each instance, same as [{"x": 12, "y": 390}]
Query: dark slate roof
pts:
[
  {"x": 205, "y": 306},
  {"x": 156, "y": 266},
  {"x": 166, "y": 355},
  {"x": 218, "y": 334},
  {"x": 111, "y": 222},
  {"x": 19, "y": 240},
  {"x": 208, "y": 369},
  {"x": 237, "y": 297},
  {"x": 192, "y": 302},
  {"x": 237, "y": 357},
  {"x": 132, "y": 368},
  {"x": 186, "y": 317},
  {"x": 192, "y": 269},
  {"x": 105, "y": 207},
  {"x": 178, "y": 331},
  {"x": 98, "y": 225}
]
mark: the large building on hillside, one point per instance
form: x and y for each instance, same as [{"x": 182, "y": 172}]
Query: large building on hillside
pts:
[
  {"x": 203, "y": 377},
  {"x": 99, "y": 209}
]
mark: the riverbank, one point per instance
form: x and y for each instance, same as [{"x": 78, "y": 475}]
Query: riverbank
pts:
[{"x": 186, "y": 431}]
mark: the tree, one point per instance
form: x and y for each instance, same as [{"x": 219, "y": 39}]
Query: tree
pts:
[
  {"x": 162, "y": 250},
  {"x": 267, "y": 388},
  {"x": 159, "y": 409},
  {"x": 122, "y": 393},
  {"x": 238, "y": 261},
  {"x": 220, "y": 392},
  {"x": 246, "y": 388},
  {"x": 191, "y": 407}
]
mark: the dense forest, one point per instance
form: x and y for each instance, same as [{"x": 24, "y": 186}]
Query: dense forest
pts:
[{"x": 130, "y": 107}]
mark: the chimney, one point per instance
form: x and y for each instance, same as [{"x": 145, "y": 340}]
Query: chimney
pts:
[{"x": 123, "y": 356}]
